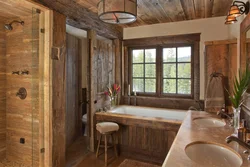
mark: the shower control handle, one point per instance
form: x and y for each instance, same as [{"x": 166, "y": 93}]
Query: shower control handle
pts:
[{"x": 22, "y": 93}]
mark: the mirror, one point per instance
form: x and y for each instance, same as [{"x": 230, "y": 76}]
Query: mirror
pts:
[
  {"x": 245, "y": 53},
  {"x": 245, "y": 42}
]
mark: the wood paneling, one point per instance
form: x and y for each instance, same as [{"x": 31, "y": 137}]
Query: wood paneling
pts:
[
  {"x": 221, "y": 57},
  {"x": 2, "y": 92},
  {"x": 73, "y": 116},
  {"x": 146, "y": 140},
  {"x": 163, "y": 11},
  {"x": 22, "y": 116},
  {"x": 80, "y": 17},
  {"x": 15, "y": 9},
  {"x": 160, "y": 100},
  {"x": 58, "y": 91}
]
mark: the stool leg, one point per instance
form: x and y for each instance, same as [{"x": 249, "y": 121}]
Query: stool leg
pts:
[
  {"x": 98, "y": 147},
  {"x": 106, "y": 151},
  {"x": 114, "y": 145}
]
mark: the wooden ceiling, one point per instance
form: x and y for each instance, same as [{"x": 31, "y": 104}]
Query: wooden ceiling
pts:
[
  {"x": 163, "y": 11},
  {"x": 11, "y": 9}
]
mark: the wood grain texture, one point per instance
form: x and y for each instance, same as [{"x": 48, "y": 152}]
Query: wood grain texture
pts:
[
  {"x": 73, "y": 118},
  {"x": 244, "y": 60},
  {"x": 102, "y": 67},
  {"x": 58, "y": 91},
  {"x": 146, "y": 140},
  {"x": 18, "y": 8},
  {"x": 2, "y": 92},
  {"x": 221, "y": 57},
  {"x": 82, "y": 18},
  {"x": 22, "y": 116},
  {"x": 163, "y": 11}
]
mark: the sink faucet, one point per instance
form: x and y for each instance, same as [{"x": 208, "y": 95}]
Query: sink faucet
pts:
[
  {"x": 230, "y": 117},
  {"x": 229, "y": 139}
]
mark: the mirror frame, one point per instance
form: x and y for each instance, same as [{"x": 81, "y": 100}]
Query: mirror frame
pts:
[{"x": 244, "y": 27}]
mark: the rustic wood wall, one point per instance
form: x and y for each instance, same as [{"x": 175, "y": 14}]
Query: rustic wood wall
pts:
[
  {"x": 158, "y": 100},
  {"x": 58, "y": 89},
  {"x": 73, "y": 114},
  {"x": 104, "y": 70},
  {"x": 221, "y": 57},
  {"x": 2, "y": 92},
  {"x": 22, "y": 115}
]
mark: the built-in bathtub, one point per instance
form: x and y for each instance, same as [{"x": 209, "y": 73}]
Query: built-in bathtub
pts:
[{"x": 145, "y": 133}]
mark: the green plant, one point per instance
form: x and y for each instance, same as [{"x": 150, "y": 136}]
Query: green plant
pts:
[{"x": 240, "y": 85}]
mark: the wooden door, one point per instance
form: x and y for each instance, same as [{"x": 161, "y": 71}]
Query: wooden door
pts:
[{"x": 73, "y": 93}]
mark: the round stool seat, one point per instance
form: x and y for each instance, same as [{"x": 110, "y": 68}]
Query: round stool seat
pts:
[{"x": 105, "y": 127}]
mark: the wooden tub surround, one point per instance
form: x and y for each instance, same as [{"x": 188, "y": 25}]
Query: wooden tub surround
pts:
[
  {"x": 190, "y": 132},
  {"x": 143, "y": 138}
]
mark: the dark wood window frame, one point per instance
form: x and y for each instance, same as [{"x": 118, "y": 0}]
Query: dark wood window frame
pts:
[
  {"x": 159, "y": 71},
  {"x": 159, "y": 43},
  {"x": 144, "y": 63}
]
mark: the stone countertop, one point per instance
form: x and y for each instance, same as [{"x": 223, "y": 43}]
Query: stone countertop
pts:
[{"x": 190, "y": 132}]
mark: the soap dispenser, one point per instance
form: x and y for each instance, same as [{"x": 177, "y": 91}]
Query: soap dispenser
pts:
[{"x": 242, "y": 131}]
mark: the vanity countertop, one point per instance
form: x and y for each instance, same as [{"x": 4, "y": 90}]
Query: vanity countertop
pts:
[{"x": 190, "y": 132}]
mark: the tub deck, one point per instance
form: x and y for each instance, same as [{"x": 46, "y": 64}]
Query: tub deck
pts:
[{"x": 142, "y": 137}]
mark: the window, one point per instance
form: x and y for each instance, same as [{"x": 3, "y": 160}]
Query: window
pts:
[
  {"x": 177, "y": 70},
  {"x": 173, "y": 64},
  {"x": 144, "y": 70}
]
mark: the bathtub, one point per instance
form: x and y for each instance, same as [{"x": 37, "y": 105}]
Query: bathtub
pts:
[
  {"x": 145, "y": 133},
  {"x": 168, "y": 114}
]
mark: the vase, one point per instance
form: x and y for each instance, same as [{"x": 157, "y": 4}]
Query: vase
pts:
[
  {"x": 236, "y": 118},
  {"x": 113, "y": 101}
]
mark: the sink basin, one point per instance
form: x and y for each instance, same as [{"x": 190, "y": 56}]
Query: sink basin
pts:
[
  {"x": 213, "y": 155},
  {"x": 209, "y": 122}
]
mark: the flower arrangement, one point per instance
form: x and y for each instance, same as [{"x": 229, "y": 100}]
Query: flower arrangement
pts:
[
  {"x": 112, "y": 93},
  {"x": 113, "y": 90}
]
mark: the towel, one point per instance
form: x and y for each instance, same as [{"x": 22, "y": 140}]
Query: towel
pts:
[{"x": 215, "y": 98}]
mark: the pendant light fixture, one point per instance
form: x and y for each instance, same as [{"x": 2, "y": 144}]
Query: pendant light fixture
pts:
[
  {"x": 117, "y": 11},
  {"x": 237, "y": 9}
]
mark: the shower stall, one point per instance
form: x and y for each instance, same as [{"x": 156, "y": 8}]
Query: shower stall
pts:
[{"x": 22, "y": 88}]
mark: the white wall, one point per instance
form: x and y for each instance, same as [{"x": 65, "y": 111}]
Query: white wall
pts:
[{"x": 211, "y": 29}]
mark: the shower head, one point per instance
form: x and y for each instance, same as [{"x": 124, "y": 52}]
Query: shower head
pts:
[{"x": 9, "y": 26}]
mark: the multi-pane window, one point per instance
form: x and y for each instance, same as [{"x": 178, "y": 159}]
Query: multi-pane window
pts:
[
  {"x": 144, "y": 70},
  {"x": 173, "y": 64},
  {"x": 177, "y": 70}
]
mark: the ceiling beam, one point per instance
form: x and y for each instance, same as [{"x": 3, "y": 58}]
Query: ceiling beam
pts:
[{"x": 80, "y": 17}]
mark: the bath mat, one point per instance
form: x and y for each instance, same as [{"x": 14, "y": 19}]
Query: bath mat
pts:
[{"x": 133, "y": 163}]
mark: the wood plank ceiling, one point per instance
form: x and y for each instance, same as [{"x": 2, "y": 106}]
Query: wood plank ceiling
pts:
[
  {"x": 163, "y": 11},
  {"x": 83, "y": 13}
]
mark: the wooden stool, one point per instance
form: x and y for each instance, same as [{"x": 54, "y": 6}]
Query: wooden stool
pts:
[{"x": 106, "y": 128}]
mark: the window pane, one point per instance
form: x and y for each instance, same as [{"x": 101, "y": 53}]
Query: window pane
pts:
[
  {"x": 150, "y": 70},
  {"x": 150, "y": 55},
  {"x": 169, "y": 70},
  {"x": 169, "y": 55},
  {"x": 138, "y": 70},
  {"x": 169, "y": 86},
  {"x": 150, "y": 85},
  {"x": 138, "y": 56},
  {"x": 184, "y": 70},
  {"x": 184, "y": 86},
  {"x": 184, "y": 54},
  {"x": 138, "y": 85}
]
